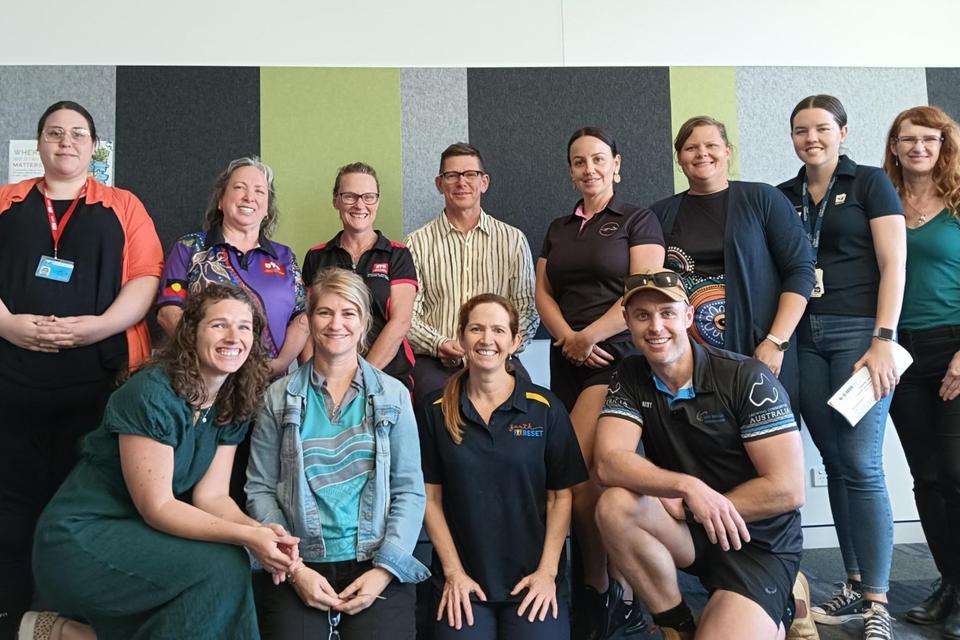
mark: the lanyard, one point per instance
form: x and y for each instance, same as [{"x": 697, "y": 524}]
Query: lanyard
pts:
[
  {"x": 814, "y": 233},
  {"x": 57, "y": 228}
]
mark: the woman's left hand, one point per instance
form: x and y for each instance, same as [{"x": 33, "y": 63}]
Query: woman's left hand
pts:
[
  {"x": 950, "y": 387},
  {"x": 770, "y": 355},
  {"x": 74, "y": 331},
  {"x": 541, "y": 596},
  {"x": 361, "y": 593},
  {"x": 292, "y": 551},
  {"x": 578, "y": 347},
  {"x": 883, "y": 371}
]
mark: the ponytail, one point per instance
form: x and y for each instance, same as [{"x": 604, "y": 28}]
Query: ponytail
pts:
[{"x": 452, "y": 416}]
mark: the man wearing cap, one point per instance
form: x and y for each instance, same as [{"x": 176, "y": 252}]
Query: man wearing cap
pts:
[{"x": 717, "y": 490}]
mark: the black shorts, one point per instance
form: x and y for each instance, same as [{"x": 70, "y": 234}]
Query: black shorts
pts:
[
  {"x": 568, "y": 380},
  {"x": 764, "y": 577}
]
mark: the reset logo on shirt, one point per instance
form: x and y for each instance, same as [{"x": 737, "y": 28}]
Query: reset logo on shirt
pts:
[{"x": 526, "y": 430}]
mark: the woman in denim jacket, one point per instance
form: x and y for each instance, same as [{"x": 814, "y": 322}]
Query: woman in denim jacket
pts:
[{"x": 335, "y": 459}]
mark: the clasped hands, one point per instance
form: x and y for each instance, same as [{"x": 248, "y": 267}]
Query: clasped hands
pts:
[
  {"x": 581, "y": 349},
  {"x": 50, "y": 334}
]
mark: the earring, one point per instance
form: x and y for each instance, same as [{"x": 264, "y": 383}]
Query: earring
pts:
[
  {"x": 896, "y": 161},
  {"x": 616, "y": 178}
]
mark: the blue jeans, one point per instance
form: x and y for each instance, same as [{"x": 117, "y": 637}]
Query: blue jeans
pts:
[{"x": 852, "y": 456}]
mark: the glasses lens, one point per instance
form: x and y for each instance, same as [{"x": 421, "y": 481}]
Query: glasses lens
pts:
[
  {"x": 53, "y": 135},
  {"x": 472, "y": 175},
  {"x": 370, "y": 198},
  {"x": 349, "y": 198},
  {"x": 662, "y": 279},
  {"x": 79, "y": 135},
  {"x": 665, "y": 279}
]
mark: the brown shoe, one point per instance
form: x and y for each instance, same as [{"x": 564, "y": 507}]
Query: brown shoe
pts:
[{"x": 803, "y": 627}]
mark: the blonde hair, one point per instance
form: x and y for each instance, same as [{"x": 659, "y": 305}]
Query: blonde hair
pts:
[{"x": 348, "y": 286}]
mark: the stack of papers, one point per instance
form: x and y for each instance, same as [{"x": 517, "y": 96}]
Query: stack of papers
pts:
[{"x": 855, "y": 398}]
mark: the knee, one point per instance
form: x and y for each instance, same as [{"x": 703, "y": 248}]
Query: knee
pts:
[
  {"x": 228, "y": 563},
  {"x": 618, "y": 507}
]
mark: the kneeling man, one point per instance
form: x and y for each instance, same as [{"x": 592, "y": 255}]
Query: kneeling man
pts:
[{"x": 717, "y": 489}]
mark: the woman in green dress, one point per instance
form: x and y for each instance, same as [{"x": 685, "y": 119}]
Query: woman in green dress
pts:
[{"x": 143, "y": 540}]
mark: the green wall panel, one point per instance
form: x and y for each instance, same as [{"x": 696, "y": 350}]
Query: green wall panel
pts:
[
  {"x": 313, "y": 121},
  {"x": 704, "y": 91}
]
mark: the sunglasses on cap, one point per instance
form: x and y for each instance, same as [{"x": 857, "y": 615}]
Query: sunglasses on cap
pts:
[{"x": 662, "y": 279}]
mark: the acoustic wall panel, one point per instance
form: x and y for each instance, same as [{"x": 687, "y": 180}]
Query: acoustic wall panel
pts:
[
  {"x": 26, "y": 92},
  {"x": 767, "y": 95},
  {"x": 704, "y": 91},
  {"x": 177, "y": 128},
  {"x": 521, "y": 120},
  {"x": 434, "y": 115},
  {"x": 943, "y": 90},
  {"x": 314, "y": 121}
]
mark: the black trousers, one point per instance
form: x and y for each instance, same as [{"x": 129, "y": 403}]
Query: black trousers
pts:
[
  {"x": 929, "y": 431},
  {"x": 284, "y": 616},
  {"x": 39, "y": 434}
]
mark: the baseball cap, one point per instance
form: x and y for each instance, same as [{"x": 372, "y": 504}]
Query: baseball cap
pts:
[{"x": 659, "y": 279}]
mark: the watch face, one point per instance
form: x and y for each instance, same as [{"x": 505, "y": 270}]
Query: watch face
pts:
[{"x": 784, "y": 345}]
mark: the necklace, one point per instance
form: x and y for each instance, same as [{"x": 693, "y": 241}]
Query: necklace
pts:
[
  {"x": 200, "y": 415},
  {"x": 921, "y": 215}
]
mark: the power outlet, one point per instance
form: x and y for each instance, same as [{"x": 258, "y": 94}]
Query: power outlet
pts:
[{"x": 818, "y": 476}]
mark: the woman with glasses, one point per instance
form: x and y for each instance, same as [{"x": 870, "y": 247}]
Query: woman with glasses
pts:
[
  {"x": 335, "y": 459},
  {"x": 740, "y": 251},
  {"x": 854, "y": 220},
  {"x": 385, "y": 265},
  {"x": 923, "y": 162},
  {"x": 80, "y": 262},
  {"x": 142, "y": 540},
  {"x": 580, "y": 272}
]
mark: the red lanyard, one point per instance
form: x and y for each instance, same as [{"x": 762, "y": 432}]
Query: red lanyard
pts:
[{"x": 56, "y": 228}]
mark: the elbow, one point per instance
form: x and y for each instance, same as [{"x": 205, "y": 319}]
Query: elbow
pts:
[
  {"x": 602, "y": 472},
  {"x": 795, "y": 497}
]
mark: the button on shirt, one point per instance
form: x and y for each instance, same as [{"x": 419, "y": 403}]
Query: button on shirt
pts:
[
  {"x": 701, "y": 430},
  {"x": 493, "y": 257},
  {"x": 495, "y": 482},
  {"x": 268, "y": 273}
]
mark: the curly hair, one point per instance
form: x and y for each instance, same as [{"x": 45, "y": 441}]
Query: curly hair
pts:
[
  {"x": 946, "y": 173},
  {"x": 214, "y": 216},
  {"x": 241, "y": 393}
]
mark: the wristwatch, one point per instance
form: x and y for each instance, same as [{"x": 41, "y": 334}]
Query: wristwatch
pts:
[
  {"x": 885, "y": 334},
  {"x": 782, "y": 345}
]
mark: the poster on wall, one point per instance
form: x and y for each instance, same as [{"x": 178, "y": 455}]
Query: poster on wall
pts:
[{"x": 25, "y": 161}]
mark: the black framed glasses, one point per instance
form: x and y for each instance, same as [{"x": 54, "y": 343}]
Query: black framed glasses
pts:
[
  {"x": 452, "y": 177},
  {"x": 661, "y": 279},
  {"x": 348, "y": 197},
  {"x": 333, "y": 618},
  {"x": 57, "y": 134}
]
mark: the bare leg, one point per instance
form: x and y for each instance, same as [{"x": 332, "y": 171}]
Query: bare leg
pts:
[
  {"x": 73, "y": 630},
  {"x": 731, "y": 615}
]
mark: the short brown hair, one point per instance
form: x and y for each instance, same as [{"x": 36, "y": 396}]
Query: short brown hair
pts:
[
  {"x": 686, "y": 130},
  {"x": 355, "y": 167},
  {"x": 461, "y": 149}
]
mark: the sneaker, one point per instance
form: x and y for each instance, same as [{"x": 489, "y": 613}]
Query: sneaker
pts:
[
  {"x": 846, "y": 604},
  {"x": 636, "y": 621},
  {"x": 877, "y": 623},
  {"x": 616, "y": 611},
  {"x": 589, "y": 615},
  {"x": 803, "y": 627},
  {"x": 40, "y": 625}
]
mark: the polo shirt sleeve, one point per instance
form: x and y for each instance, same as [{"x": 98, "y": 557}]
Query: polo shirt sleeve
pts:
[
  {"x": 644, "y": 228},
  {"x": 310, "y": 267},
  {"x": 547, "y": 242},
  {"x": 565, "y": 465},
  {"x": 764, "y": 406},
  {"x": 878, "y": 195},
  {"x": 623, "y": 400},
  {"x": 142, "y": 253},
  {"x": 299, "y": 291},
  {"x": 402, "y": 270},
  {"x": 174, "y": 281},
  {"x": 427, "y": 413}
]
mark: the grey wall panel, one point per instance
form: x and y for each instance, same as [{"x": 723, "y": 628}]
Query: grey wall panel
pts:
[
  {"x": 943, "y": 90},
  {"x": 25, "y": 92},
  {"x": 434, "y": 115}
]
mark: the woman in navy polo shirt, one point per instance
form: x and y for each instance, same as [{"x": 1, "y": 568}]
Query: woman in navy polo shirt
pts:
[
  {"x": 580, "y": 273},
  {"x": 854, "y": 220},
  {"x": 385, "y": 265},
  {"x": 499, "y": 459},
  {"x": 741, "y": 251},
  {"x": 923, "y": 162}
]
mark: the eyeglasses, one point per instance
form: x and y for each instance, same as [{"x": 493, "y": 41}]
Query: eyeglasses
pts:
[
  {"x": 348, "y": 197},
  {"x": 333, "y": 619},
  {"x": 925, "y": 141},
  {"x": 57, "y": 134},
  {"x": 662, "y": 279},
  {"x": 452, "y": 177}
]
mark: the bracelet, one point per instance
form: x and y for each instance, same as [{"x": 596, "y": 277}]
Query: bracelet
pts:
[{"x": 292, "y": 575}]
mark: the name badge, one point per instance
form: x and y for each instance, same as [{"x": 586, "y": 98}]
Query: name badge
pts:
[
  {"x": 54, "y": 269},
  {"x": 818, "y": 289}
]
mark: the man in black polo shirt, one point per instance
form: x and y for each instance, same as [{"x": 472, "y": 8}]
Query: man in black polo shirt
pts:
[{"x": 717, "y": 490}]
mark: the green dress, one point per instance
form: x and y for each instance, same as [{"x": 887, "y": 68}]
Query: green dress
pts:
[{"x": 94, "y": 556}]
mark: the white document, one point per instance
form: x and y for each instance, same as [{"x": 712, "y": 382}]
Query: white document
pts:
[{"x": 855, "y": 398}]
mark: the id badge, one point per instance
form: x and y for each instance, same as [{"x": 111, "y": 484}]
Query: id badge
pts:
[
  {"x": 54, "y": 269},
  {"x": 818, "y": 289}
]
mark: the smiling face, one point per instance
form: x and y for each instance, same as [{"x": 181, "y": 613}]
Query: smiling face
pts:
[
  {"x": 336, "y": 326},
  {"x": 357, "y": 217},
  {"x": 224, "y": 338},
  {"x": 817, "y": 137},
  {"x": 464, "y": 194},
  {"x": 487, "y": 340},
  {"x": 246, "y": 198},
  {"x": 703, "y": 158},
  {"x": 659, "y": 326},
  {"x": 66, "y": 159},
  {"x": 592, "y": 166},
  {"x": 919, "y": 156}
]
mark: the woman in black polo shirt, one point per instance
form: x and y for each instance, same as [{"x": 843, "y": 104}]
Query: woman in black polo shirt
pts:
[
  {"x": 499, "y": 458},
  {"x": 855, "y": 223},
  {"x": 580, "y": 273},
  {"x": 385, "y": 265}
]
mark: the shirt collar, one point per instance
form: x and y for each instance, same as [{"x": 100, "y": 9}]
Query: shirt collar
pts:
[
  {"x": 214, "y": 237},
  {"x": 517, "y": 400},
  {"x": 482, "y": 225},
  {"x": 845, "y": 167},
  {"x": 317, "y": 380},
  {"x": 300, "y": 380},
  {"x": 685, "y": 392},
  {"x": 382, "y": 244},
  {"x": 702, "y": 373},
  {"x": 615, "y": 206}
]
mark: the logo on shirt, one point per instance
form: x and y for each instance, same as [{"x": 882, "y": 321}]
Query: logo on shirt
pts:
[
  {"x": 526, "y": 430},
  {"x": 763, "y": 392},
  {"x": 272, "y": 268},
  {"x": 608, "y": 229},
  {"x": 646, "y": 404},
  {"x": 840, "y": 199},
  {"x": 380, "y": 267},
  {"x": 711, "y": 417},
  {"x": 175, "y": 289}
]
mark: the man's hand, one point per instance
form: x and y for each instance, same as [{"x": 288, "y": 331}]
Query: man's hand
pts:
[{"x": 713, "y": 510}]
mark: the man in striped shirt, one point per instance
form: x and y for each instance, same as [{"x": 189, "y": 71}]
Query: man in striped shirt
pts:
[{"x": 462, "y": 253}]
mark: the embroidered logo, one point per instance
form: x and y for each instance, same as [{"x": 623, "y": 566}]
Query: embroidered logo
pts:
[
  {"x": 608, "y": 229},
  {"x": 840, "y": 199},
  {"x": 272, "y": 268},
  {"x": 526, "y": 430},
  {"x": 380, "y": 267},
  {"x": 760, "y": 396},
  {"x": 711, "y": 417},
  {"x": 175, "y": 289},
  {"x": 646, "y": 404}
]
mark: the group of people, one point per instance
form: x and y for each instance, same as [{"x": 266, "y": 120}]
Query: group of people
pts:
[{"x": 274, "y": 428}]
